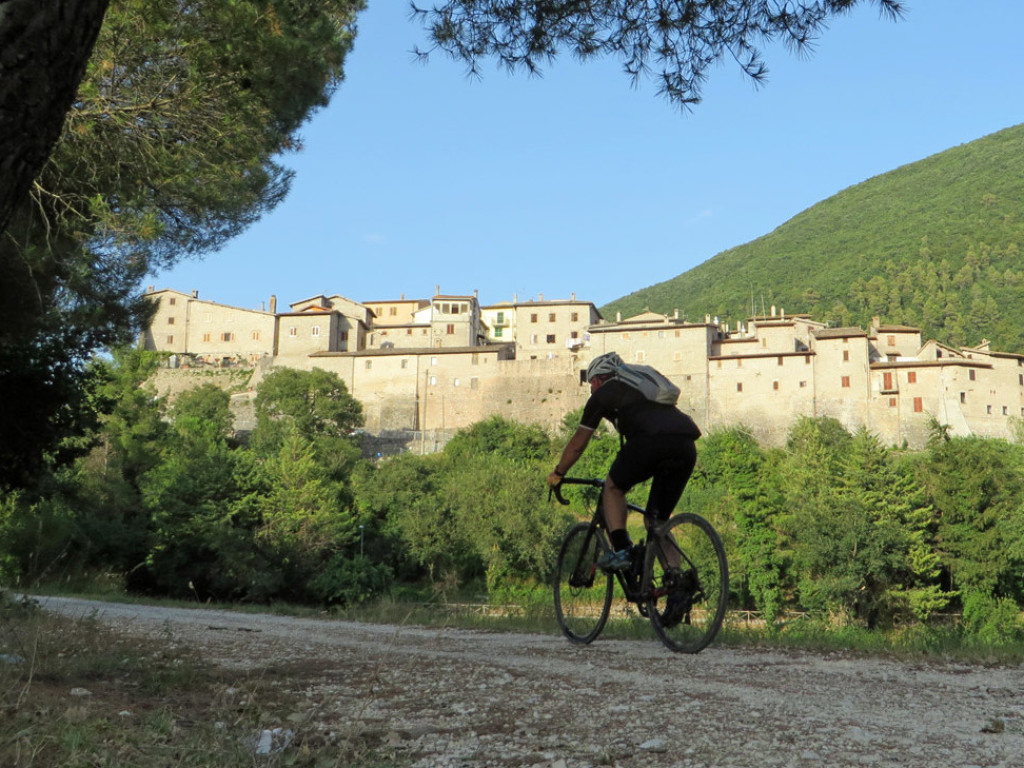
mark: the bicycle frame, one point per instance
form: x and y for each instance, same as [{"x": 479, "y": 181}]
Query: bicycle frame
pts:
[{"x": 629, "y": 581}]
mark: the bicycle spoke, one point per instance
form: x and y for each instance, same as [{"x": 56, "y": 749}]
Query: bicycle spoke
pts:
[
  {"x": 689, "y": 581},
  {"x": 583, "y": 594}
]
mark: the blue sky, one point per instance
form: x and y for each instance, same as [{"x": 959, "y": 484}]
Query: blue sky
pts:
[{"x": 417, "y": 177}]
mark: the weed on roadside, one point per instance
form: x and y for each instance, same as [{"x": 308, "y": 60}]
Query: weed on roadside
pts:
[{"x": 74, "y": 692}]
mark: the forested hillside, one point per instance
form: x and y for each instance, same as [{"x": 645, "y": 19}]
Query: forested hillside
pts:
[{"x": 935, "y": 244}]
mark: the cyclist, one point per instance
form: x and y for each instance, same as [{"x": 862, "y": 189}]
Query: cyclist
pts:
[{"x": 658, "y": 443}]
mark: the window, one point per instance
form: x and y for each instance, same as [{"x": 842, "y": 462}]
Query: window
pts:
[
  {"x": 1020, "y": 379},
  {"x": 1004, "y": 410},
  {"x": 344, "y": 336},
  {"x": 207, "y": 317},
  {"x": 433, "y": 381},
  {"x": 911, "y": 377},
  {"x": 803, "y": 384},
  {"x": 405, "y": 362},
  {"x": 887, "y": 381},
  {"x": 846, "y": 355},
  {"x": 775, "y": 385},
  {"x": 550, "y": 338},
  {"x": 963, "y": 397},
  {"x": 501, "y": 317},
  {"x": 551, "y": 317},
  {"x": 450, "y": 328},
  {"x": 739, "y": 386},
  {"x": 408, "y": 331},
  {"x": 433, "y": 361},
  {"x": 314, "y": 331},
  {"x": 475, "y": 359},
  {"x": 227, "y": 336},
  {"x": 892, "y": 402},
  {"x": 206, "y": 337},
  {"x": 369, "y": 364},
  {"x": 780, "y": 359},
  {"x": 455, "y": 382},
  {"x": 807, "y": 359},
  {"x": 988, "y": 409},
  {"x": 498, "y": 332},
  {"x": 172, "y": 301},
  {"x": 918, "y": 405},
  {"x": 641, "y": 357},
  {"x": 575, "y": 317},
  {"x": 846, "y": 381},
  {"x": 533, "y": 338},
  {"x": 574, "y": 334},
  {"x": 972, "y": 375},
  {"x": 393, "y": 311},
  {"x": 474, "y": 382},
  {"x": 293, "y": 331},
  {"x": 170, "y": 339},
  {"x": 170, "y": 321},
  {"x": 739, "y": 362},
  {"x": 533, "y": 317},
  {"x": 891, "y": 340}
]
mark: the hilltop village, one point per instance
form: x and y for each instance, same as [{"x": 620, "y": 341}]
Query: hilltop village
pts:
[{"x": 424, "y": 368}]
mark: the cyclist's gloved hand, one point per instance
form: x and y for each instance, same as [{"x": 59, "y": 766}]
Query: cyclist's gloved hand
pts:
[{"x": 554, "y": 480}]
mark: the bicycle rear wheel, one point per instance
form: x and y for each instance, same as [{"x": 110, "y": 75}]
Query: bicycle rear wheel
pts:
[
  {"x": 689, "y": 583},
  {"x": 583, "y": 594}
]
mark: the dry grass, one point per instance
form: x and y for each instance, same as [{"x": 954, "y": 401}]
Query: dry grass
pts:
[{"x": 74, "y": 693}]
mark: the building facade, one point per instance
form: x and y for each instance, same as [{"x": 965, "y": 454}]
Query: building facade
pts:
[{"x": 444, "y": 363}]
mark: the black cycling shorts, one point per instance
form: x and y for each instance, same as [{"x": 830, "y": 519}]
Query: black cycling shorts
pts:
[{"x": 668, "y": 459}]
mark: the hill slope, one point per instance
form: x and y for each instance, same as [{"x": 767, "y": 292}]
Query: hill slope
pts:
[{"x": 936, "y": 244}]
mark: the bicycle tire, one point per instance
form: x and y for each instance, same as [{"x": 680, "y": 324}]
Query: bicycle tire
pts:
[
  {"x": 583, "y": 594},
  {"x": 686, "y": 605}
]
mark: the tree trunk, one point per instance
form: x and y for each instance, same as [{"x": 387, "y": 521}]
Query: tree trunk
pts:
[{"x": 44, "y": 47}]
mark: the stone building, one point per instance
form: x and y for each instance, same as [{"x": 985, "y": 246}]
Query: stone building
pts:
[{"x": 440, "y": 364}]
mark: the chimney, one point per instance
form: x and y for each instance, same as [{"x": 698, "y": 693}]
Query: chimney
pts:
[
  {"x": 273, "y": 304},
  {"x": 618, "y": 317},
  {"x": 195, "y": 294},
  {"x": 572, "y": 296},
  {"x": 150, "y": 289},
  {"x": 515, "y": 298},
  {"x": 675, "y": 314},
  {"x": 540, "y": 297},
  {"x": 773, "y": 310},
  {"x": 437, "y": 290}
]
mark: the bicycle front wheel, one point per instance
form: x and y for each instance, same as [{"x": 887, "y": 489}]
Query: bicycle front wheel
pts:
[
  {"x": 687, "y": 575},
  {"x": 583, "y": 594}
]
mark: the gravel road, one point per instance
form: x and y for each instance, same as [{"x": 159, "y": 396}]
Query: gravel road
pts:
[{"x": 446, "y": 697}]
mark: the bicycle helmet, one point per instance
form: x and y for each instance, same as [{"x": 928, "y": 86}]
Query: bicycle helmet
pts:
[{"x": 602, "y": 365}]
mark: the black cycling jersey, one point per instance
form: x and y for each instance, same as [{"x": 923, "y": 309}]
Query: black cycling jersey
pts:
[{"x": 633, "y": 414}]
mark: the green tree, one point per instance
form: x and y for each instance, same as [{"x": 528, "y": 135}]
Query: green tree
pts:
[
  {"x": 675, "y": 44},
  {"x": 206, "y": 403},
  {"x": 735, "y": 478},
  {"x": 171, "y": 147},
  {"x": 975, "y": 486},
  {"x": 501, "y": 439},
  {"x": 315, "y": 403}
]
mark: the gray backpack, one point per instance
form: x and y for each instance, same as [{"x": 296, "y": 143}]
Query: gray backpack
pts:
[{"x": 652, "y": 384}]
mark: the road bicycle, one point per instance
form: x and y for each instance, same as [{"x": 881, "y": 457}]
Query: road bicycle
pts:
[{"x": 679, "y": 578}]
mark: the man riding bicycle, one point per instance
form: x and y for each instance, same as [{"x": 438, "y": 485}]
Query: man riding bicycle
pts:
[{"x": 658, "y": 443}]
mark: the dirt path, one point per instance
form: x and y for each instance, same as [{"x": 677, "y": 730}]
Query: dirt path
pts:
[{"x": 463, "y": 698}]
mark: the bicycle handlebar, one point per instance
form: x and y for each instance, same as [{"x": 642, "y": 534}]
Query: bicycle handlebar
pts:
[{"x": 557, "y": 490}]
